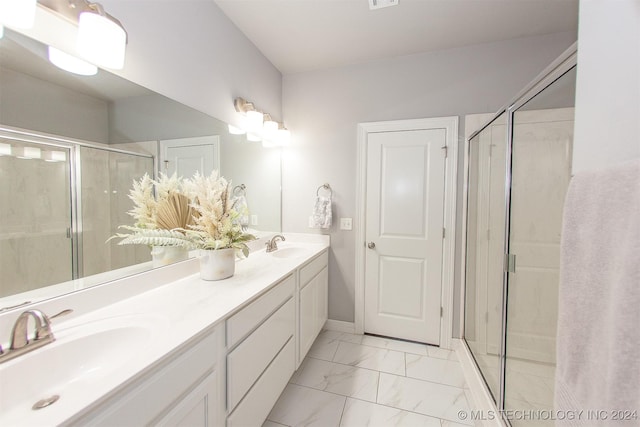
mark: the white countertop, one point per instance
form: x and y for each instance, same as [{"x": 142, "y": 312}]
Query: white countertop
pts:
[{"x": 176, "y": 312}]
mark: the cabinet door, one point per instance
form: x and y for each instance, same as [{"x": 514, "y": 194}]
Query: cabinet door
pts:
[
  {"x": 308, "y": 310},
  {"x": 313, "y": 310},
  {"x": 198, "y": 408}
]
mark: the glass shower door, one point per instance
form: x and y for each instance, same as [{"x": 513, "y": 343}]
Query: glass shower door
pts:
[
  {"x": 540, "y": 174},
  {"x": 35, "y": 207},
  {"x": 485, "y": 250},
  {"x": 106, "y": 178}
]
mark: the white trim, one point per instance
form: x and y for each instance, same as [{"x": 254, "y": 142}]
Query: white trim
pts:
[
  {"x": 340, "y": 326},
  {"x": 482, "y": 400},
  {"x": 450, "y": 124}
]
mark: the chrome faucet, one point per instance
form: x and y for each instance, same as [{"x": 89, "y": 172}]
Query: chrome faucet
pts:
[
  {"x": 272, "y": 245},
  {"x": 21, "y": 343}
]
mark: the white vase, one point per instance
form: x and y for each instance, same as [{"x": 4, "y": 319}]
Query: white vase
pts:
[
  {"x": 217, "y": 264},
  {"x": 165, "y": 255}
]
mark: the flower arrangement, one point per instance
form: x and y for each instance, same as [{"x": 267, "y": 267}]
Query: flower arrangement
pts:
[
  {"x": 195, "y": 213},
  {"x": 216, "y": 221}
]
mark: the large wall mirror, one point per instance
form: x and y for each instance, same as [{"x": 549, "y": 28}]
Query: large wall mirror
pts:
[{"x": 72, "y": 147}]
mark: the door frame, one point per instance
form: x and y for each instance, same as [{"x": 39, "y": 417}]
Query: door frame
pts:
[{"x": 450, "y": 125}]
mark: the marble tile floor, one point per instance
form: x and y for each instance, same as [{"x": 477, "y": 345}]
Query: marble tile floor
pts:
[{"x": 351, "y": 380}]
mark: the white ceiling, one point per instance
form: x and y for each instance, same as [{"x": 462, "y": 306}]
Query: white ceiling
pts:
[{"x": 303, "y": 35}]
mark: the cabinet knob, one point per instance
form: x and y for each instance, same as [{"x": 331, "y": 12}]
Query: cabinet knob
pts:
[{"x": 371, "y": 245}]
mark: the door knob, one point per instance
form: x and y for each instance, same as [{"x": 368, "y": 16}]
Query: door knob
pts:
[{"x": 371, "y": 245}]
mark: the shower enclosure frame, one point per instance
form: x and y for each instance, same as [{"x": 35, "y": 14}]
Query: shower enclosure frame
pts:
[
  {"x": 75, "y": 179},
  {"x": 558, "y": 68}
]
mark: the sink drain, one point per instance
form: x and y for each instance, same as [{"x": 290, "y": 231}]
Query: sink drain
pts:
[{"x": 43, "y": 403}]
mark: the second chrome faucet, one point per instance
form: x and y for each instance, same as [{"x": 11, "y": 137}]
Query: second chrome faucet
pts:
[{"x": 272, "y": 245}]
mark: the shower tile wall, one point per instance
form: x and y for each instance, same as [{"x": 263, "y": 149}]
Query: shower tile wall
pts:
[{"x": 35, "y": 212}]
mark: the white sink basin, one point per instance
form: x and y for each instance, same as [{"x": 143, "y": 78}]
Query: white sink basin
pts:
[
  {"x": 80, "y": 356},
  {"x": 290, "y": 252}
]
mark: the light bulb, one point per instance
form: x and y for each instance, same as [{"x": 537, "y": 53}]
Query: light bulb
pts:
[
  {"x": 101, "y": 41},
  {"x": 270, "y": 129},
  {"x": 236, "y": 131},
  {"x": 284, "y": 136},
  {"x": 5, "y": 149},
  {"x": 18, "y": 13},
  {"x": 254, "y": 121},
  {"x": 54, "y": 156},
  {"x": 27, "y": 152},
  {"x": 70, "y": 63}
]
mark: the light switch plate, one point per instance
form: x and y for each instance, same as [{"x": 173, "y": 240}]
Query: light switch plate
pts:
[
  {"x": 254, "y": 219},
  {"x": 346, "y": 224}
]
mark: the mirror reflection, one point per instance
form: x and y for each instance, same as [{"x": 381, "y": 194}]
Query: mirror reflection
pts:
[{"x": 71, "y": 147}]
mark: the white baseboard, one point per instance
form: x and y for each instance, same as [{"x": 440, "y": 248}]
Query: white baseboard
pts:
[
  {"x": 482, "y": 400},
  {"x": 340, "y": 326}
]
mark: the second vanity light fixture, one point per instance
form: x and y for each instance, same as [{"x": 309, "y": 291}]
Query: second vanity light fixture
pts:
[
  {"x": 101, "y": 39},
  {"x": 259, "y": 126}
]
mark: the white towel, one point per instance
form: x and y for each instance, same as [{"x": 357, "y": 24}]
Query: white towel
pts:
[
  {"x": 241, "y": 206},
  {"x": 598, "y": 344},
  {"x": 321, "y": 216}
]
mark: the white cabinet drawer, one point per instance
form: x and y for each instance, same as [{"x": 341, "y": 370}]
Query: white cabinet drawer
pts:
[
  {"x": 257, "y": 404},
  {"x": 247, "y": 362},
  {"x": 243, "y": 322},
  {"x": 313, "y": 268}
]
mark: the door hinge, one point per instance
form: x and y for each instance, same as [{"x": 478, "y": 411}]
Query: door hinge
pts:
[
  {"x": 441, "y": 311},
  {"x": 510, "y": 263},
  {"x": 444, "y": 232},
  {"x": 446, "y": 151}
]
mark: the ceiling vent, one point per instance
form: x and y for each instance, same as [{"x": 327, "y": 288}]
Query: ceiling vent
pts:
[{"x": 379, "y": 4}]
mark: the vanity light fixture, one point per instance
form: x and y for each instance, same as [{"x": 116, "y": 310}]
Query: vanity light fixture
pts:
[
  {"x": 27, "y": 152},
  {"x": 18, "y": 13},
  {"x": 54, "y": 156},
  {"x": 260, "y": 126},
  {"x": 101, "y": 38},
  {"x": 5, "y": 149},
  {"x": 70, "y": 63}
]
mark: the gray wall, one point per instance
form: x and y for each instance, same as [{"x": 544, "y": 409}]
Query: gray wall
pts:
[
  {"x": 30, "y": 103},
  {"x": 190, "y": 51},
  {"x": 323, "y": 108},
  {"x": 608, "y": 84}
]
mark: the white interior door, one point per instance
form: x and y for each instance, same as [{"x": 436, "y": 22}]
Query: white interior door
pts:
[
  {"x": 186, "y": 156},
  {"x": 404, "y": 232}
]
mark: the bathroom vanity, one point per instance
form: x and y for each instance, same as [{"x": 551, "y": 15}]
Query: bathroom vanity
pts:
[{"x": 186, "y": 352}]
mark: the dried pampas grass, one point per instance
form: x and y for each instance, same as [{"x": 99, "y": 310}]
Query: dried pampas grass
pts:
[{"x": 174, "y": 212}]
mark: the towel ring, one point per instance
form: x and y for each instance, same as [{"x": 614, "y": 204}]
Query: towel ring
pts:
[
  {"x": 240, "y": 190},
  {"x": 326, "y": 187}
]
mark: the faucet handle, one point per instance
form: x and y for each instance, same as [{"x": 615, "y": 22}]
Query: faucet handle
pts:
[{"x": 20, "y": 335}]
